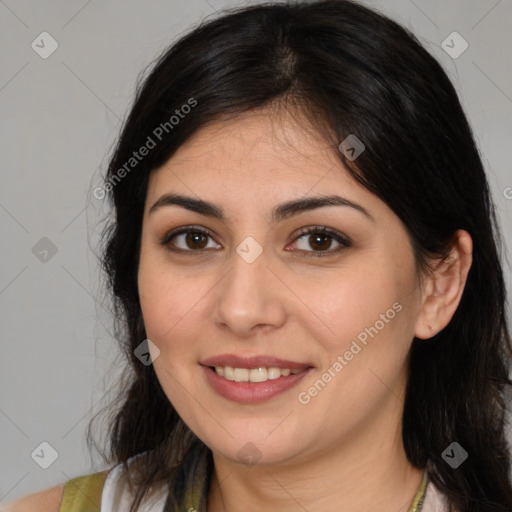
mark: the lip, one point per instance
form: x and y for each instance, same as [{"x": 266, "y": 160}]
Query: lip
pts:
[
  {"x": 252, "y": 392},
  {"x": 250, "y": 362}
]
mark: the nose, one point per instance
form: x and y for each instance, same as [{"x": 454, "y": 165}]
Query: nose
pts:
[{"x": 250, "y": 298}]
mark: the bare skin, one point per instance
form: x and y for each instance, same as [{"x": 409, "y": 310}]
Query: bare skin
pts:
[
  {"x": 200, "y": 298},
  {"x": 48, "y": 500}
]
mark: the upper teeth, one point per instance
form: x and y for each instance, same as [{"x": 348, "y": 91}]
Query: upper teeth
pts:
[{"x": 254, "y": 374}]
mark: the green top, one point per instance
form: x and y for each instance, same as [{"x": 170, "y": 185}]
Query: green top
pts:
[
  {"x": 83, "y": 493},
  {"x": 190, "y": 490}
]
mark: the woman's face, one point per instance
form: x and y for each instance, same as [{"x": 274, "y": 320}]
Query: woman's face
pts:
[{"x": 339, "y": 307}]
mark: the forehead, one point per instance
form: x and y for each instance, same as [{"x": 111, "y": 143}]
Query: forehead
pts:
[{"x": 252, "y": 151}]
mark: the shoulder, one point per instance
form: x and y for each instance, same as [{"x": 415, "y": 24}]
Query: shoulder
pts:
[
  {"x": 79, "y": 493},
  {"x": 47, "y": 500}
]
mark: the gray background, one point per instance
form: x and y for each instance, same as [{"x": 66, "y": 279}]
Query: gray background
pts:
[{"x": 59, "y": 118}]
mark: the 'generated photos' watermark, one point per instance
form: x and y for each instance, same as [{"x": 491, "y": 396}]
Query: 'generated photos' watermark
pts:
[{"x": 152, "y": 140}]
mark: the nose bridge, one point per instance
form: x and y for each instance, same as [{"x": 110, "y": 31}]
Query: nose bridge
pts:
[
  {"x": 248, "y": 296},
  {"x": 248, "y": 271}
]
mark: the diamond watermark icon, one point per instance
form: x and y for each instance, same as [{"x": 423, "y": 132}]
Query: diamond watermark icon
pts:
[
  {"x": 454, "y": 45},
  {"x": 352, "y": 147},
  {"x": 455, "y": 455},
  {"x": 44, "y": 45},
  {"x": 44, "y": 250},
  {"x": 147, "y": 352},
  {"x": 249, "y": 454},
  {"x": 249, "y": 249},
  {"x": 44, "y": 455}
]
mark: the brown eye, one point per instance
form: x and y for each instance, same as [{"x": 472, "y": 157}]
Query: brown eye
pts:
[
  {"x": 195, "y": 240},
  {"x": 320, "y": 240},
  {"x": 188, "y": 240}
]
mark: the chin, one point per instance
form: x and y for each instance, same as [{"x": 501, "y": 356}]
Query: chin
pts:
[{"x": 258, "y": 450}]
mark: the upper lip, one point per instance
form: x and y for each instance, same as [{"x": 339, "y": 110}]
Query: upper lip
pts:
[{"x": 253, "y": 362}]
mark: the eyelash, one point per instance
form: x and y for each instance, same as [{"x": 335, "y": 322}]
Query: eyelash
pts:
[{"x": 322, "y": 230}]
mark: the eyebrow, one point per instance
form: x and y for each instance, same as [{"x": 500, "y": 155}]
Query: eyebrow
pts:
[{"x": 279, "y": 213}]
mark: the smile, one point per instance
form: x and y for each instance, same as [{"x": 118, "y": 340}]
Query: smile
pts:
[
  {"x": 260, "y": 374},
  {"x": 252, "y": 379}
]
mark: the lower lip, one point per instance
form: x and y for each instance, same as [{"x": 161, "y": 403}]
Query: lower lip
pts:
[{"x": 252, "y": 392}]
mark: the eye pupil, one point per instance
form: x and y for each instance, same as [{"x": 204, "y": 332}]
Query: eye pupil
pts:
[{"x": 195, "y": 239}]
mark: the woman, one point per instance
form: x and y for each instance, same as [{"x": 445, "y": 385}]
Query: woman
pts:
[{"x": 306, "y": 278}]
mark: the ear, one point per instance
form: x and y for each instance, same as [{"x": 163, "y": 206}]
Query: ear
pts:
[{"x": 443, "y": 289}]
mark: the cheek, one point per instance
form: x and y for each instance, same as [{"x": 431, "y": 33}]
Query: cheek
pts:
[
  {"x": 167, "y": 302},
  {"x": 370, "y": 320},
  {"x": 365, "y": 349},
  {"x": 361, "y": 298}
]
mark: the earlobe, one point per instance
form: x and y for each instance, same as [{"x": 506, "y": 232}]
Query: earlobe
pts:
[{"x": 444, "y": 287}]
